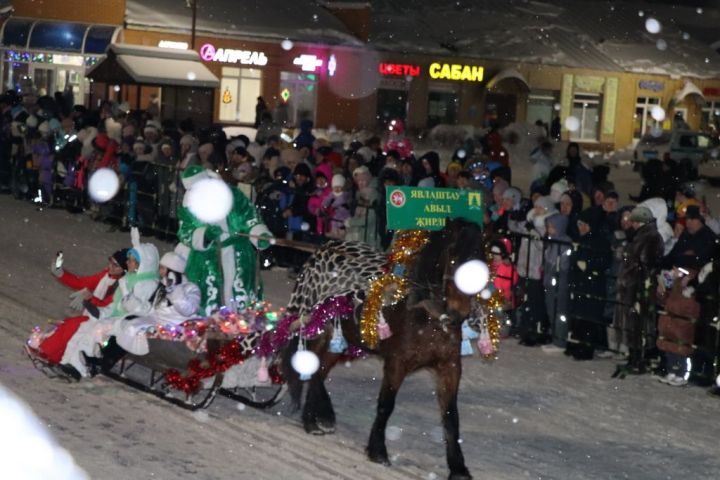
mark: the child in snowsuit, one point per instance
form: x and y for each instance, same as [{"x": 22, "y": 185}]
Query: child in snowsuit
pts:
[{"x": 335, "y": 209}]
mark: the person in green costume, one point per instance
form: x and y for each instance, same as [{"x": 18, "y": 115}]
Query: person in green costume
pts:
[{"x": 222, "y": 259}]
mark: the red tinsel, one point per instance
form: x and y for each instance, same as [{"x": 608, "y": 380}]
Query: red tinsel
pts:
[{"x": 229, "y": 355}]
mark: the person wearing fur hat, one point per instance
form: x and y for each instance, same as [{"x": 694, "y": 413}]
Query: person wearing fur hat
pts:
[
  {"x": 175, "y": 301},
  {"x": 231, "y": 278},
  {"x": 133, "y": 297},
  {"x": 98, "y": 289}
]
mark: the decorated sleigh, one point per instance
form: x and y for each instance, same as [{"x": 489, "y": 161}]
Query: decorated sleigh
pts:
[{"x": 190, "y": 364}]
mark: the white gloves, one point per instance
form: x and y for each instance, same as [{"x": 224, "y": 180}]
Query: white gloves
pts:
[
  {"x": 78, "y": 297},
  {"x": 582, "y": 265}
]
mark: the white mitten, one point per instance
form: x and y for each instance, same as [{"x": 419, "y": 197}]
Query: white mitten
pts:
[
  {"x": 704, "y": 272},
  {"x": 582, "y": 265},
  {"x": 77, "y": 299},
  {"x": 56, "y": 266}
]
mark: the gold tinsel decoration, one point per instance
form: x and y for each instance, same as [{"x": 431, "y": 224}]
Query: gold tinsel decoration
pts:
[
  {"x": 492, "y": 307},
  {"x": 403, "y": 251}
]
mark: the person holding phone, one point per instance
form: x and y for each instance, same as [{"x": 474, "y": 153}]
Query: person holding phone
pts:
[{"x": 96, "y": 289}]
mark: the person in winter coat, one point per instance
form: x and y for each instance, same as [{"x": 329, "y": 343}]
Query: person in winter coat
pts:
[
  {"x": 397, "y": 140},
  {"x": 132, "y": 297},
  {"x": 431, "y": 176},
  {"x": 621, "y": 238},
  {"x": 542, "y": 162},
  {"x": 694, "y": 245},
  {"x": 531, "y": 315},
  {"x": 175, "y": 301},
  {"x": 322, "y": 191},
  {"x": 297, "y": 212},
  {"x": 498, "y": 214},
  {"x": 588, "y": 266},
  {"x": 582, "y": 176},
  {"x": 556, "y": 270},
  {"x": 505, "y": 276},
  {"x": 97, "y": 289},
  {"x": 659, "y": 209},
  {"x": 571, "y": 206},
  {"x": 222, "y": 254},
  {"x": 362, "y": 225},
  {"x": 335, "y": 209},
  {"x": 305, "y": 138},
  {"x": 634, "y": 315}
]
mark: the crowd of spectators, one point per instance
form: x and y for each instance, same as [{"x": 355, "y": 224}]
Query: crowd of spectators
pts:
[{"x": 582, "y": 271}]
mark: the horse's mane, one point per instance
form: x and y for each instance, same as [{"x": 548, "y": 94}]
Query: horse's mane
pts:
[{"x": 426, "y": 273}]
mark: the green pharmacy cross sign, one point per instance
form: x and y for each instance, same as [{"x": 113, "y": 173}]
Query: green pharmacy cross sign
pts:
[{"x": 412, "y": 208}]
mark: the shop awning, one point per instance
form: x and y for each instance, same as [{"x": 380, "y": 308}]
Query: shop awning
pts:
[
  {"x": 688, "y": 90},
  {"x": 135, "y": 65},
  {"x": 508, "y": 73},
  {"x": 28, "y": 33}
]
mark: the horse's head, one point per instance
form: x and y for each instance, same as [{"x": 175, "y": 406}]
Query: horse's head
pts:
[
  {"x": 465, "y": 242},
  {"x": 432, "y": 274}
]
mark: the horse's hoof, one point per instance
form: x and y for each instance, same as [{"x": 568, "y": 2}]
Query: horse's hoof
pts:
[
  {"x": 327, "y": 427},
  {"x": 460, "y": 476},
  {"x": 379, "y": 457},
  {"x": 313, "y": 429}
]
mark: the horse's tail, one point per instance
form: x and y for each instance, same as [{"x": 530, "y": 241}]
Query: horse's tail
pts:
[{"x": 292, "y": 378}]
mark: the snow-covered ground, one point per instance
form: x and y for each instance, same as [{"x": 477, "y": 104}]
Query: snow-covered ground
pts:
[{"x": 527, "y": 415}]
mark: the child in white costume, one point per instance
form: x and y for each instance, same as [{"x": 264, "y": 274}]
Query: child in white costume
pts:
[
  {"x": 132, "y": 297},
  {"x": 175, "y": 301}
]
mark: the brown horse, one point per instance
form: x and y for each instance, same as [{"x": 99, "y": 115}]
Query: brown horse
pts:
[{"x": 426, "y": 330}]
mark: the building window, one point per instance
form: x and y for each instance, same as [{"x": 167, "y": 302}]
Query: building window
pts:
[
  {"x": 239, "y": 89},
  {"x": 642, "y": 120},
  {"x": 391, "y": 104},
  {"x": 541, "y": 106},
  {"x": 710, "y": 116},
  {"x": 298, "y": 91},
  {"x": 586, "y": 108}
]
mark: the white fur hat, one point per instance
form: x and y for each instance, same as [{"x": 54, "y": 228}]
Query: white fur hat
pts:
[
  {"x": 152, "y": 124},
  {"x": 338, "y": 180},
  {"x": 557, "y": 189},
  {"x": 174, "y": 262}
]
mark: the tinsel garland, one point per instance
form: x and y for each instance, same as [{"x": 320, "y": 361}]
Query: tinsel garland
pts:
[
  {"x": 270, "y": 342},
  {"x": 403, "y": 251},
  {"x": 320, "y": 315}
]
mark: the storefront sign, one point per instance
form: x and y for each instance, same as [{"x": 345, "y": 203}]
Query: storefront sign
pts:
[
  {"x": 711, "y": 91},
  {"x": 446, "y": 71},
  {"x": 400, "y": 69},
  {"x": 308, "y": 63},
  {"x": 172, "y": 44},
  {"x": 428, "y": 208},
  {"x": 209, "y": 53},
  {"x": 651, "y": 85}
]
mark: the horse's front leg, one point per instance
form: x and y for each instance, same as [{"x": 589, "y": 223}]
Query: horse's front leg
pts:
[
  {"x": 448, "y": 381},
  {"x": 318, "y": 414},
  {"x": 393, "y": 376}
]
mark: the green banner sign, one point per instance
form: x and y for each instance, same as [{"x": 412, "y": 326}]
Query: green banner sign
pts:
[{"x": 410, "y": 208}]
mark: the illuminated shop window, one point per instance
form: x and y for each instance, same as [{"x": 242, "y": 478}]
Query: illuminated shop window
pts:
[
  {"x": 301, "y": 92},
  {"x": 239, "y": 89}
]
